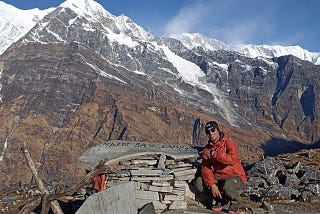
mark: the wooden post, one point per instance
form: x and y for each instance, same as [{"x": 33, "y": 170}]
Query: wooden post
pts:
[
  {"x": 44, "y": 205},
  {"x": 54, "y": 204},
  {"x": 30, "y": 206}
]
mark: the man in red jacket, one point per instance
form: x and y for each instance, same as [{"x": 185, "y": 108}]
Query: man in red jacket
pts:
[{"x": 221, "y": 169}]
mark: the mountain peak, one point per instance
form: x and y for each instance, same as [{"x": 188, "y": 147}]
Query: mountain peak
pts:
[
  {"x": 191, "y": 40},
  {"x": 122, "y": 24},
  {"x": 86, "y": 8},
  {"x": 13, "y": 27},
  {"x": 86, "y": 17},
  {"x": 271, "y": 51}
]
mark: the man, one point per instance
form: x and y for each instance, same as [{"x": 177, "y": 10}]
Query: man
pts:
[{"x": 221, "y": 169}]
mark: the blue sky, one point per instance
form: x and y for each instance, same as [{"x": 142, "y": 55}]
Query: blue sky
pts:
[{"x": 271, "y": 22}]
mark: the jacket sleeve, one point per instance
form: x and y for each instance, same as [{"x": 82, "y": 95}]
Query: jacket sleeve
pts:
[
  {"x": 207, "y": 172},
  {"x": 231, "y": 156}
]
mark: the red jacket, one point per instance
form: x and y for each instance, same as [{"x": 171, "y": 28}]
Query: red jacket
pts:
[{"x": 224, "y": 162}]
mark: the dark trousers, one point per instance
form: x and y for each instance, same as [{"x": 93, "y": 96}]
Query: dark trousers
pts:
[{"x": 229, "y": 187}]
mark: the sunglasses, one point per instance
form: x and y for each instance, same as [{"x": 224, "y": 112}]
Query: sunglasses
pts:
[{"x": 210, "y": 130}]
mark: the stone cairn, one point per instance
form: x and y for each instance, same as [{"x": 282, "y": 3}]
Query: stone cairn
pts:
[
  {"x": 162, "y": 175},
  {"x": 159, "y": 179}
]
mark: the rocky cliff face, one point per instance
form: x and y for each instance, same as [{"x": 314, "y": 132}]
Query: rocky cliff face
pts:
[
  {"x": 78, "y": 79},
  {"x": 278, "y": 95}
]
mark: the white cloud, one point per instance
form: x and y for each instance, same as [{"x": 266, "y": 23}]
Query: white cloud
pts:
[
  {"x": 248, "y": 22},
  {"x": 229, "y": 21},
  {"x": 242, "y": 31},
  {"x": 187, "y": 19}
]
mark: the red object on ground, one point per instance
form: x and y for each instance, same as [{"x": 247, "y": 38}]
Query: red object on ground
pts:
[{"x": 99, "y": 182}]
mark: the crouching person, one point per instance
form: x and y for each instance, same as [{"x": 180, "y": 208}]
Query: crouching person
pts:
[{"x": 222, "y": 173}]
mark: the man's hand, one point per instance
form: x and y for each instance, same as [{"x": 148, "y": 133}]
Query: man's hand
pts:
[
  {"x": 215, "y": 191},
  {"x": 207, "y": 153}
]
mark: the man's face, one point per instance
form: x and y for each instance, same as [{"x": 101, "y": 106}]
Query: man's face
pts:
[{"x": 213, "y": 134}]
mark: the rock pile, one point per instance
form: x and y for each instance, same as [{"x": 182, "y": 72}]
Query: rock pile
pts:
[{"x": 274, "y": 179}]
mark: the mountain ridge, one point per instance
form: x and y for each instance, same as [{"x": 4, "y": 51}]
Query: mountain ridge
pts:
[
  {"x": 194, "y": 40},
  {"x": 190, "y": 40}
]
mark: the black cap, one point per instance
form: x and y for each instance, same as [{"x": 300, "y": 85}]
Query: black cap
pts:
[{"x": 211, "y": 124}]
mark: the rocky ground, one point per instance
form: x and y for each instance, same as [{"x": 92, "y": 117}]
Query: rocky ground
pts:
[
  {"x": 70, "y": 205},
  {"x": 13, "y": 199}
]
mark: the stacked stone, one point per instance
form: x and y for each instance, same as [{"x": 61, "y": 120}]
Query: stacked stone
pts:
[{"x": 160, "y": 180}]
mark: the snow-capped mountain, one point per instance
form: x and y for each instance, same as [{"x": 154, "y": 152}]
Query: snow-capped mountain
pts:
[
  {"x": 13, "y": 26},
  {"x": 277, "y": 51},
  {"x": 194, "y": 40},
  {"x": 96, "y": 24},
  {"x": 122, "y": 43},
  {"x": 92, "y": 15}
]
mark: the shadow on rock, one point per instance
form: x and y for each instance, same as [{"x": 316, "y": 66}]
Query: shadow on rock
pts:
[{"x": 277, "y": 146}]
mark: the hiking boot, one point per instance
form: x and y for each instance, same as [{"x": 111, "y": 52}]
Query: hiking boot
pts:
[
  {"x": 217, "y": 205},
  {"x": 233, "y": 208},
  {"x": 217, "y": 208}
]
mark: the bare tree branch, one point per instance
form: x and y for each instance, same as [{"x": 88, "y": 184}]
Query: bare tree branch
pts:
[
  {"x": 100, "y": 168},
  {"x": 54, "y": 204},
  {"x": 45, "y": 207},
  {"x": 30, "y": 206}
]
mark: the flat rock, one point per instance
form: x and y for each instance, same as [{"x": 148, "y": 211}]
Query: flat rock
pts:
[
  {"x": 116, "y": 149},
  {"x": 118, "y": 199}
]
